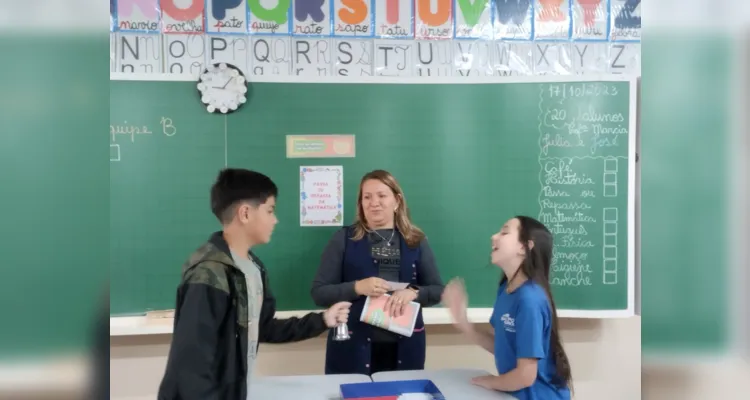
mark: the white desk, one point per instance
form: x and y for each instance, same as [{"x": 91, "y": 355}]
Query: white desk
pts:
[
  {"x": 453, "y": 383},
  {"x": 307, "y": 387}
]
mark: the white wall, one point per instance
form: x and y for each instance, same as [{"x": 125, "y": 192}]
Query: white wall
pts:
[{"x": 605, "y": 357}]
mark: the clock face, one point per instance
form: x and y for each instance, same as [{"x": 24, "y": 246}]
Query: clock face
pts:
[{"x": 222, "y": 87}]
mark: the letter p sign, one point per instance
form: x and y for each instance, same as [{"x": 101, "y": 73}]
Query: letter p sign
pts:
[{"x": 219, "y": 8}]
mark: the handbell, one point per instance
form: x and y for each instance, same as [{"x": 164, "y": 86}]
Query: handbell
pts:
[{"x": 342, "y": 333}]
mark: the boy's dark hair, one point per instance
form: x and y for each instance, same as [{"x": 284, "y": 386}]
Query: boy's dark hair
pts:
[{"x": 235, "y": 185}]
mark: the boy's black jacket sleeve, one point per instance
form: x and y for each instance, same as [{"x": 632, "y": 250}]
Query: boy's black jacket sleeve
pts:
[
  {"x": 196, "y": 336},
  {"x": 293, "y": 329}
]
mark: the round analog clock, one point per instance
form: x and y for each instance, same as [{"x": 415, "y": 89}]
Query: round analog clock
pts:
[{"x": 222, "y": 87}]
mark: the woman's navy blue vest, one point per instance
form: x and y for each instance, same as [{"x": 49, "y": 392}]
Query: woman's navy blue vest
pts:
[{"x": 353, "y": 356}]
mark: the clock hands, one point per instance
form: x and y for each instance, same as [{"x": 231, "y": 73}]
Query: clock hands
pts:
[
  {"x": 222, "y": 87},
  {"x": 219, "y": 96},
  {"x": 225, "y": 85}
]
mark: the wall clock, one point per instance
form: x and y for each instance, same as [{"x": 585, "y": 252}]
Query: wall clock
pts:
[{"x": 222, "y": 87}]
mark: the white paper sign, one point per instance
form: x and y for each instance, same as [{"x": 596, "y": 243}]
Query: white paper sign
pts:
[{"x": 321, "y": 196}]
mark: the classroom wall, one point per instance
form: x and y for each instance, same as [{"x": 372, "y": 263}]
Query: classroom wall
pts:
[{"x": 605, "y": 357}]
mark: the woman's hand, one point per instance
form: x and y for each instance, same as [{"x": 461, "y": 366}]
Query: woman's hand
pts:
[
  {"x": 455, "y": 298},
  {"x": 372, "y": 287},
  {"x": 396, "y": 304}
]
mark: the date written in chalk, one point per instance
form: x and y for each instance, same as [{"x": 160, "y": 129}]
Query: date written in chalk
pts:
[{"x": 346, "y": 28}]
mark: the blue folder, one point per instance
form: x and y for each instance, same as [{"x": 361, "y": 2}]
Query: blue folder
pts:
[{"x": 389, "y": 390}]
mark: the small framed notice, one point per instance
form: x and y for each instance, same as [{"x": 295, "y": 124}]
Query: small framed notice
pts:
[
  {"x": 320, "y": 146},
  {"x": 321, "y": 196}
]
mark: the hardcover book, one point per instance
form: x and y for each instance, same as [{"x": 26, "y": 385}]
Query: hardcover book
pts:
[{"x": 375, "y": 314}]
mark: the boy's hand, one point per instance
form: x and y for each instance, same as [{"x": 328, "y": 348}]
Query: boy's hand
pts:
[{"x": 337, "y": 314}]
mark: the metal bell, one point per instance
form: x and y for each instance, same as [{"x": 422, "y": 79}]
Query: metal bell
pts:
[{"x": 342, "y": 333}]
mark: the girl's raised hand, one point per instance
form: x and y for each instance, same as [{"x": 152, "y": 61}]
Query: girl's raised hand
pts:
[{"x": 455, "y": 298}]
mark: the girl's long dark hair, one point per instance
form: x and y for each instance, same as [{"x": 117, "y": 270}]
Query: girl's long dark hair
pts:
[{"x": 536, "y": 267}]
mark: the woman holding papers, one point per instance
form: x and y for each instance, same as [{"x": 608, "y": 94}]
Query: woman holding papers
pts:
[{"x": 381, "y": 254}]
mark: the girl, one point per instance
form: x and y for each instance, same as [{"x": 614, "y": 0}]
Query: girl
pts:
[{"x": 530, "y": 359}]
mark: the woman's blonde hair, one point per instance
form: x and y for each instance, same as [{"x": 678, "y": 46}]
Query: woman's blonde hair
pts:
[{"x": 411, "y": 233}]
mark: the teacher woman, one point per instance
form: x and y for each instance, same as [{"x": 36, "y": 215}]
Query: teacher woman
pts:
[{"x": 360, "y": 260}]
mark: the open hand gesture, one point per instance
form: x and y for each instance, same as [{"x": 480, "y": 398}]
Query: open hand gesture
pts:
[{"x": 457, "y": 301}]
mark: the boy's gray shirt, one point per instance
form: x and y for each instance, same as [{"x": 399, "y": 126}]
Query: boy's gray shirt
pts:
[{"x": 254, "y": 305}]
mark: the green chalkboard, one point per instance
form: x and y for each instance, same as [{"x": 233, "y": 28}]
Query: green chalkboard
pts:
[
  {"x": 165, "y": 150},
  {"x": 54, "y": 186},
  {"x": 687, "y": 173},
  {"x": 469, "y": 156}
]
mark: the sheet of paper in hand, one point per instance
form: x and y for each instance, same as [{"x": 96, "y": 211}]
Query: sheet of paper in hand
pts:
[
  {"x": 397, "y": 285},
  {"x": 375, "y": 314}
]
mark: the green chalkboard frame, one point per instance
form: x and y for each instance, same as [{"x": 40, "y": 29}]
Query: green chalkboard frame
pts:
[{"x": 438, "y": 315}]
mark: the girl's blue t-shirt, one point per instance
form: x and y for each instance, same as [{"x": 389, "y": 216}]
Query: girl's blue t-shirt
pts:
[{"x": 523, "y": 325}]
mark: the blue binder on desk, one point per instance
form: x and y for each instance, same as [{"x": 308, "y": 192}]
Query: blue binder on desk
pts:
[{"x": 395, "y": 390}]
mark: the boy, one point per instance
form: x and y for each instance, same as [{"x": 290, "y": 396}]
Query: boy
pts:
[{"x": 224, "y": 303}]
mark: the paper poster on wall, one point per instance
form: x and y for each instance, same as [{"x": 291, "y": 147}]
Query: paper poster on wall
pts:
[
  {"x": 320, "y": 146},
  {"x": 433, "y": 21},
  {"x": 187, "y": 17},
  {"x": 270, "y": 17},
  {"x": 473, "y": 20},
  {"x": 312, "y": 17},
  {"x": 226, "y": 17},
  {"x": 352, "y": 18},
  {"x": 513, "y": 20},
  {"x": 590, "y": 19},
  {"x": 552, "y": 19},
  {"x": 394, "y": 19},
  {"x": 321, "y": 196},
  {"x": 625, "y": 20},
  {"x": 138, "y": 16}
]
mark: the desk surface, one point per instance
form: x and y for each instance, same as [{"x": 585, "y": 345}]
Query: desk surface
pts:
[
  {"x": 453, "y": 383},
  {"x": 308, "y": 387}
]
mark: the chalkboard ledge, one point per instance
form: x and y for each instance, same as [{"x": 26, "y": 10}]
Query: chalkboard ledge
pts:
[
  {"x": 141, "y": 325},
  {"x": 62, "y": 374}
]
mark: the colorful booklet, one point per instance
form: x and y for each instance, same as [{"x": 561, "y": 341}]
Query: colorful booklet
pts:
[{"x": 374, "y": 313}]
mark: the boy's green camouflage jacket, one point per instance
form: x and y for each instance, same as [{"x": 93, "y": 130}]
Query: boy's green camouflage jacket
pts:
[{"x": 208, "y": 355}]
